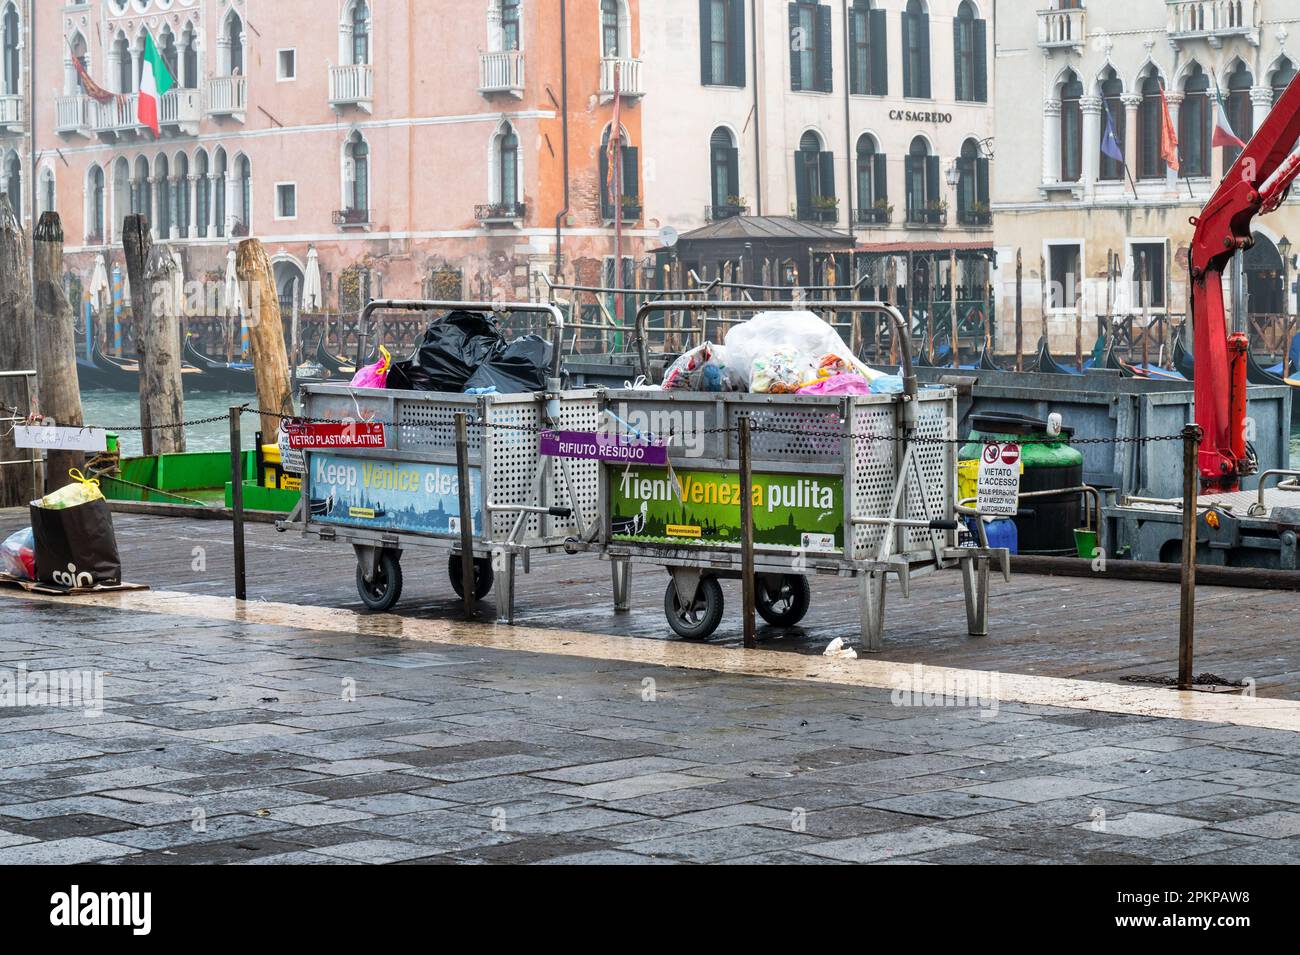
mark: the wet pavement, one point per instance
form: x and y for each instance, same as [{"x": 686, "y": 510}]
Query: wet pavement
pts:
[{"x": 224, "y": 739}]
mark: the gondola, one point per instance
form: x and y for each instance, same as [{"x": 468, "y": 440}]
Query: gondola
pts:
[
  {"x": 1257, "y": 374},
  {"x": 114, "y": 373},
  {"x": 219, "y": 375},
  {"x": 1047, "y": 365},
  {"x": 1183, "y": 359},
  {"x": 986, "y": 362},
  {"x": 334, "y": 366}
]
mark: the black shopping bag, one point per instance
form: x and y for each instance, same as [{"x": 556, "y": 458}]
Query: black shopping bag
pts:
[{"x": 76, "y": 546}]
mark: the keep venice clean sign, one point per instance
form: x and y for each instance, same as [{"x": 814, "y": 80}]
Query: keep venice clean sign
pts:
[{"x": 790, "y": 510}]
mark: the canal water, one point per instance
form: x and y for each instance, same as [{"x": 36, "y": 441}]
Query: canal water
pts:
[{"x": 112, "y": 409}]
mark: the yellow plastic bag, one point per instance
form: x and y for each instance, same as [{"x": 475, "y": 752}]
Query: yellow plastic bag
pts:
[{"x": 82, "y": 490}]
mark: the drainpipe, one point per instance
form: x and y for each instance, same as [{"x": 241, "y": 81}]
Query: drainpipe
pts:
[
  {"x": 758, "y": 135},
  {"x": 848, "y": 123},
  {"x": 564, "y": 145},
  {"x": 31, "y": 130}
]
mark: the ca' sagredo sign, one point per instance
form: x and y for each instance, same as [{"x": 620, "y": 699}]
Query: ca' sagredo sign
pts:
[{"x": 918, "y": 116}]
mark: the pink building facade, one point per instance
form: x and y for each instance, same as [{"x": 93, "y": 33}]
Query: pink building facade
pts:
[{"x": 419, "y": 147}]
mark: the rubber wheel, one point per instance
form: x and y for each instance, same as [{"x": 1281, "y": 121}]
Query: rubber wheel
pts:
[
  {"x": 784, "y": 604},
  {"x": 383, "y": 592},
  {"x": 700, "y": 620},
  {"x": 483, "y": 576}
]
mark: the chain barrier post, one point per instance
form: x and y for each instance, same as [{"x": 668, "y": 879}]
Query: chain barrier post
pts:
[
  {"x": 1187, "y": 596},
  {"x": 747, "y": 534},
  {"x": 466, "y": 514},
  {"x": 237, "y": 501}
]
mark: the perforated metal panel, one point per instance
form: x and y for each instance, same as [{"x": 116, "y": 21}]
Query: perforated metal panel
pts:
[
  {"x": 935, "y": 419},
  {"x": 790, "y": 433},
  {"x": 874, "y": 459},
  {"x": 431, "y": 428},
  {"x": 576, "y": 414}
]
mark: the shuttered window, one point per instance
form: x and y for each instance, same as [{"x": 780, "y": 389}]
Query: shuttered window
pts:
[
  {"x": 916, "y": 51},
  {"x": 810, "y": 48},
  {"x": 1194, "y": 125},
  {"x": 970, "y": 56},
  {"x": 722, "y": 42}
]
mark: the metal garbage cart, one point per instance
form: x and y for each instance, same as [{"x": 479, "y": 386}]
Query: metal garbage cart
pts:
[
  {"x": 860, "y": 486},
  {"x": 406, "y": 493}
]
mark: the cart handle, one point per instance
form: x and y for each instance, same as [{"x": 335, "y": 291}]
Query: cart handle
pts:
[
  {"x": 891, "y": 312},
  {"x": 555, "y": 323}
]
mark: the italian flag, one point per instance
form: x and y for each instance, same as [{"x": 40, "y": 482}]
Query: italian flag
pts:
[
  {"x": 155, "y": 80},
  {"x": 1223, "y": 134}
]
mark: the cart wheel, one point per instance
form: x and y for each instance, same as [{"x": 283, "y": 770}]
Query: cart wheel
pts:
[
  {"x": 699, "y": 621},
  {"x": 784, "y": 604},
  {"x": 483, "y": 576},
  {"x": 382, "y": 592}
]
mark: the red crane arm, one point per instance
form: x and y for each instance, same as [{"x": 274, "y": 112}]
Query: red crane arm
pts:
[{"x": 1257, "y": 183}]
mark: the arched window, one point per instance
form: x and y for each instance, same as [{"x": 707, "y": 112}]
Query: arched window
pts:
[
  {"x": 1282, "y": 77},
  {"x": 1194, "y": 124},
  {"x": 1071, "y": 128},
  {"x": 724, "y": 174},
  {"x": 872, "y": 183},
  {"x": 1110, "y": 169},
  {"x": 142, "y": 190},
  {"x": 609, "y": 29},
  {"x": 970, "y": 44},
  {"x": 507, "y": 184},
  {"x": 121, "y": 198},
  {"x": 244, "y": 194},
  {"x": 1240, "y": 110},
  {"x": 11, "y": 181},
  {"x": 189, "y": 74},
  {"x": 234, "y": 42},
  {"x": 167, "y": 47},
  {"x": 356, "y": 180},
  {"x": 1151, "y": 164},
  {"x": 202, "y": 193},
  {"x": 78, "y": 52},
  {"x": 628, "y": 158},
  {"x": 95, "y": 215},
  {"x": 814, "y": 171},
  {"x": 162, "y": 174},
  {"x": 360, "y": 32},
  {"x": 916, "y": 50},
  {"x": 181, "y": 201},
  {"x": 125, "y": 64},
  {"x": 220, "y": 171},
  {"x": 972, "y": 186},
  {"x": 924, "y": 204},
  {"x": 12, "y": 40}
]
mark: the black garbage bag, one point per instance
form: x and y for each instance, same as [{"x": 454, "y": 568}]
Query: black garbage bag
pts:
[
  {"x": 76, "y": 546},
  {"x": 453, "y": 348},
  {"x": 518, "y": 367}
]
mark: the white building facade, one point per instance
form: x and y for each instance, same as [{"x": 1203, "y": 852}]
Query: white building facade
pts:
[
  {"x": 1101, "y": 237},
  {"x": 869, "y": 116}
]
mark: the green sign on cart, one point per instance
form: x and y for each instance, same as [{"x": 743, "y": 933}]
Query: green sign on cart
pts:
[{"x": 802, "y": 513}]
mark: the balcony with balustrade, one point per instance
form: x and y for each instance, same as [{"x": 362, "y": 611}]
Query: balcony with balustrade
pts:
[
  {"x": 11, "y": 114},
  {"x": 1062, "y": 29},
  {"x": 1213, "y": 20},
  {"x": 226, "y": 96},
  {"x": 118, "y": 118},
  {"x": 623, "y": 72},
  {"x": 73, "y": 117},
  {"x": 353, "y": 85},
  {"x": 501, "y": 71}
]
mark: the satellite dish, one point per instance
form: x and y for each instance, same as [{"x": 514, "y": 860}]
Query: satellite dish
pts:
[{"x": 668, "y": 236}]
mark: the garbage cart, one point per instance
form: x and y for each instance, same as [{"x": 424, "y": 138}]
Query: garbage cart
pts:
[
  {"x": 859, "y": 486},
  {"x": 401, "y": 490}
]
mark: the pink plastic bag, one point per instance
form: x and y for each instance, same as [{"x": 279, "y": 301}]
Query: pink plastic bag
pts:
[
  {"x": 842, "y": 384},
  {"x": 376, "y": 375}
]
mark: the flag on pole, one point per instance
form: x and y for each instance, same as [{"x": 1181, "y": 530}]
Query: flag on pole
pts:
[
  {"x": 1168, "y": 136},
  {"x": 1109, "y": 141},
  {"x": 155, "y": 81},
  {"x": 1223, "y": 134}
]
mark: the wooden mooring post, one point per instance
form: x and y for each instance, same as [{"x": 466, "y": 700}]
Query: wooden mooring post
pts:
[
  {"x": 18, "y": 483},
  {"x": 137, "y": 242},
  {"x": 158, "y": 331},
  {"x": 265, "y": 335},
  {"x": 56, "y": 347}
]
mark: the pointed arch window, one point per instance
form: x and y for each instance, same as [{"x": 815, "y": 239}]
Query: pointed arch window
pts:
[
  {"x": 724, "y": 174},
  {"x": 361, "y": 32},
  {"x": 357, "y": 179},
  {"x": 1282, "y": 77},
  {"x": 509, "y": 24},
  {"x": 1194, "y": 125},
  {"x": 1110, "y": 169},
  {"x": 95, "y": 199},
  {"x": 508, "y": 166},
  {"x": 1071, "y": 128},
  {"x": 11, "y": 181},
  {"x": 1240, "y": 110},
  {"x": 11, "y": 38},
  {"x": 1151, "y": 163}
]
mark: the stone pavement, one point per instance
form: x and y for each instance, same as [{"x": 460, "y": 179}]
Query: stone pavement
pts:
[{"x": 235, "y": 742}]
